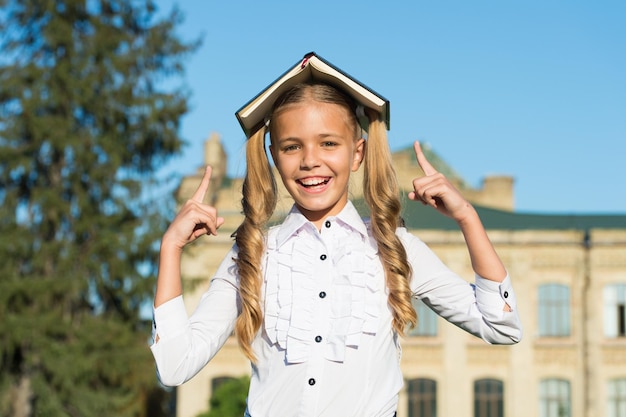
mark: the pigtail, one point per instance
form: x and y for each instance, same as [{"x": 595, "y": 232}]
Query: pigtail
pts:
[
  {"x": 258, "y": 203},
  {"x": 381, "y": 192}
]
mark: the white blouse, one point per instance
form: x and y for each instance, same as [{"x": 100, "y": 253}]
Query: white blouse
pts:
[{"x": 327, "y": 347}]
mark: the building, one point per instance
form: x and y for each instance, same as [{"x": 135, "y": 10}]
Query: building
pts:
[{"x": 569, "y": 273}]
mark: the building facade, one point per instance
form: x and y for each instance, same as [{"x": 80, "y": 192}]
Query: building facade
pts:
[{"x": 569, "y": 273}]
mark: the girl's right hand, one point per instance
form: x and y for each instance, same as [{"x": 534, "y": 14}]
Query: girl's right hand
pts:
[{"x": 194, "y": 218}]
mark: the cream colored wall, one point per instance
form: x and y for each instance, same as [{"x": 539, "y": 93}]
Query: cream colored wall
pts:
[{"x": 453, "y": 358}]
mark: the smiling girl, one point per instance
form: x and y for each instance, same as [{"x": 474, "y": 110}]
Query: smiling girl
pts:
[{"x": 318, "y": 302}]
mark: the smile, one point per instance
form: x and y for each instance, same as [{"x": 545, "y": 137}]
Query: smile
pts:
[{"x": 313, "y": 182}]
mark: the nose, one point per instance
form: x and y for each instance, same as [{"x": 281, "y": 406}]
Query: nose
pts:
[{"x": 310, "y": 157}]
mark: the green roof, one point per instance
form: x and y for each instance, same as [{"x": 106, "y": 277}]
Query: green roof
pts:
[{"x": 418, "y": 216}]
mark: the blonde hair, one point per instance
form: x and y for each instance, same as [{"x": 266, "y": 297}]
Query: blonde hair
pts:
[
  {"x": 259, "y": 200},
  {"x": 258, "y": 203},
  {"x": 382, "y": 195}
]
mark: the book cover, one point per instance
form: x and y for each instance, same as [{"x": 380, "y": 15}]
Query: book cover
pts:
[{"x": 311, "y": 67}]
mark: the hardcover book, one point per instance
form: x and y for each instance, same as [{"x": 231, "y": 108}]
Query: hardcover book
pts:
[{"x": 311, "y": 68}]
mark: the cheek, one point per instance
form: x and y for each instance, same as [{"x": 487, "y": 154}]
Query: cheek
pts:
[
  {"x": 344, "y": 162},
  {"x": 285, "y": 163}
]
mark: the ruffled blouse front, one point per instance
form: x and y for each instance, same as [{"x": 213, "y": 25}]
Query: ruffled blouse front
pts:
[{"x": 291, "y": 279}]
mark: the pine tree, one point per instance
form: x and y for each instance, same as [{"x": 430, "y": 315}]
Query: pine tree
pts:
[{"x": 86, "y": 120}]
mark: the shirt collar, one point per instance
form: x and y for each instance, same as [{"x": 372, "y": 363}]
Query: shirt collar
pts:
[{"x": 296, "y": 221}]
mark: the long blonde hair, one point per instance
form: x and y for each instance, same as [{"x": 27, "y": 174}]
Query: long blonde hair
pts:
[{"x": 259, "y": 201}]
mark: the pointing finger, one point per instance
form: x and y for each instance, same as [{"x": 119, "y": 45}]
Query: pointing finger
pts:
[
  {"x": 422, "y": 161},
  {"x": 204, "y": 185}
]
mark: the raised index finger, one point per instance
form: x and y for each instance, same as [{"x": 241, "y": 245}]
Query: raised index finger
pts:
[
  {"x": 204, "y": 185},
  {"x": 422, "y": 161}
]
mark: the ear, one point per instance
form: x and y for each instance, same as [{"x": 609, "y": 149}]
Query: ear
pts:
[
  {"x": 272, "y": 149},
  {"x": 359, "y": 153}
]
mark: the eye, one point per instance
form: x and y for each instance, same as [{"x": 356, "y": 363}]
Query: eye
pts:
[
  {"x": 329, "y": 143},
  {"x": 290, "y": 148}
]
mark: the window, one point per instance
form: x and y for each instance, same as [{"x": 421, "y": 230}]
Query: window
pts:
[
  {"x": 488, "y": 398},
  {"x": 426, "y": 320},
  {"x": 616, "y": 406},
  {"x": 615, "y": 310},
  {"x": 554, "y": 398},
  {"x": 422, "y": 398},
  {"x": 554, "y": 310}
]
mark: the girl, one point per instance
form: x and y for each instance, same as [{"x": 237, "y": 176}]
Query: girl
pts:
[{"x": 318, "y": 302}]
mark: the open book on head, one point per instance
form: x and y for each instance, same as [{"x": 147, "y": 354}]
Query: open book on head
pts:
[{"x": 310, "y": 68}]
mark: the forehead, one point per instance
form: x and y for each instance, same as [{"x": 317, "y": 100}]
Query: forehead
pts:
[{"x": 312, "y": 115}]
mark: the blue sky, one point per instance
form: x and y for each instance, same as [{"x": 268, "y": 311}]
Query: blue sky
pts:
[{"x": 532, "y": 89}]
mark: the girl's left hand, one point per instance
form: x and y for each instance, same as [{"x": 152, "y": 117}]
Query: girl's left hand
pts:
[{"x": 435, "y": 190}]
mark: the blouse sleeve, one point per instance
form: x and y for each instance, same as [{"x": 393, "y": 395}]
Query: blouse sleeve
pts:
[
  {"x": 186, "y": 344},
  {"x": 478, "y": 308}
]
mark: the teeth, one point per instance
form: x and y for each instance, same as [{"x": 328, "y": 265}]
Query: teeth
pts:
[{"x": 313, "y": 181}]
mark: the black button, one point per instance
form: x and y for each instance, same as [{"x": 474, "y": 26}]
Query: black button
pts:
[
  {"x": 311, "y": 381},
  {"x": 327, "y": 224},
  {"x": 318, "y": 339},
  {"x": 323, "y": 257},
  {"x": 506, "y": 294},
  {"x": 322, "y": 294}
]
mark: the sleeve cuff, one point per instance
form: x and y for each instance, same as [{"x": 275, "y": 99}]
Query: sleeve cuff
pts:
[
  {"x": 169, "y": 319},
  {"x": 492, "y": 294}
]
